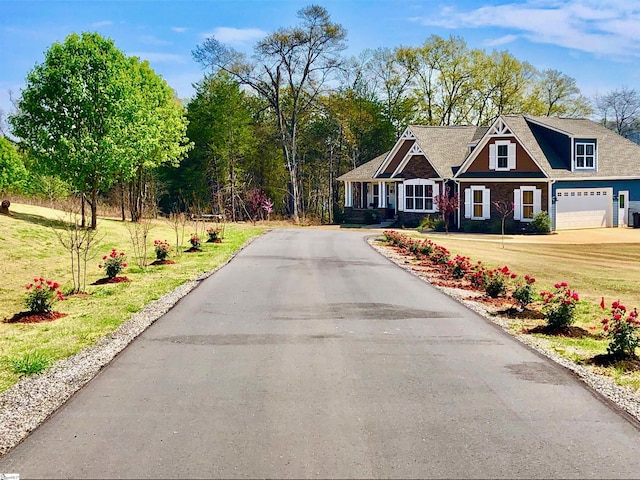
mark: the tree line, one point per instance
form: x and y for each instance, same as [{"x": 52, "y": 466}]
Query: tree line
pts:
[{"x": 283, "y": 123}]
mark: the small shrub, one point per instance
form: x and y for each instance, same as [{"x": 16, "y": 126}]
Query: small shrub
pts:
[
  {"x": 41, "y": 294},
  {"x": 476, "y": 226},
  {"x": 162, "y": 249},
  {"x": 622, "y": 330},
  {"x": 478, "y": 276},
  {"x": 440, "y": 255},
  {"x": 560, "y": 305},
  {"x": 440, "y": 225},
  {"x": 459, "y": 266},
  {"x": 214, "y": 234},
  {"x": 29, "y": 364},
  {"x": 497, "y": 281},
  {"x": 523, "y": 292},
  {"x": 426, "y": 247},
  {"x": 541, "y": 222},
  {"x": 114, "y": 263},
  {"x": 426, "y": 223},
  {"x": 194, "y": 240}
]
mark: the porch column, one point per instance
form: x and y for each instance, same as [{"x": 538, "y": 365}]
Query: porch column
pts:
[
  {"x": 382, "y": 195},
  {"x": 348, "y": 194}
]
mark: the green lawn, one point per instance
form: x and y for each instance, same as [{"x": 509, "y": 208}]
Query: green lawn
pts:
[{"x": 31, "y": 249}]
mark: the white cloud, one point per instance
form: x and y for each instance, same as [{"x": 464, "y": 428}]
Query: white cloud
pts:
[
  {"x": 600, "y": 27},
  {"x": 158, "y": 57},
  {"x": 501, "y": 41},
  {"x": 151, "y": 40},
  {"x": 103, "y": 23},
  {"x": 179, "y": 29},
  {"x": 236, "y": 36}
]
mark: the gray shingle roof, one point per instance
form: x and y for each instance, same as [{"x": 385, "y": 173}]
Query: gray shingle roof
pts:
[
  {"x": 365, "y": 171},
  {"x": 617, "y": 156},
  {"x": 446, "y": 147}
]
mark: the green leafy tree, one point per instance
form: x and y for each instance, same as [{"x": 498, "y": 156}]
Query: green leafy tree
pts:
[
  {"x": 556, "y": 94},
  {"x": 72, "y": 113},
  {"x": 13, "y": 174}
]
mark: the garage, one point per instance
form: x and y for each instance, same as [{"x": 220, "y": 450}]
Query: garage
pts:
[{"x": 584, "y": 208}]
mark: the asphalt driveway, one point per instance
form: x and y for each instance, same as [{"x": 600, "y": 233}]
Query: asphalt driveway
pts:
[{"x": 310, "y": 355}]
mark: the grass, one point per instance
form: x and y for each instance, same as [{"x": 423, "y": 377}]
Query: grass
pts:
[
  {"x": 31, "y": 249},
  {"x": 595, "y": 270}
]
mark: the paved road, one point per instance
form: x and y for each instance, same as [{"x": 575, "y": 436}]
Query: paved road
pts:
[{"x": 312, "y": 356}]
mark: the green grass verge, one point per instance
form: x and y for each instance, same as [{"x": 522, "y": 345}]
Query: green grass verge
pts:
[{"x": 31, "y": 249}]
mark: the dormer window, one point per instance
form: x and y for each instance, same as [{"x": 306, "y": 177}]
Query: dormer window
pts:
[
  {"x": 585, "y": 155},
  {"x": 502, "y": 155}
]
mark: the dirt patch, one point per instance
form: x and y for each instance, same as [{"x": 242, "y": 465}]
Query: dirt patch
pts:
[
  {"x": 570, "y": 332},
  {"x": 162, "y": 262},
  {"x": 104, "y": 281},
  {"x": 30, "y": 317},
  {"x": 193, "y": 249},
  {"x": 217, "y": 240},
  {"x": 608, "y": 360}
]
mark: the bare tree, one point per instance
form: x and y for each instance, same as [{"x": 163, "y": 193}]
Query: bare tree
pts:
[
  {"x": 289, "y": 70},
  {"x": 504, "y": 209},
  {"x": 620, "y": 110}
]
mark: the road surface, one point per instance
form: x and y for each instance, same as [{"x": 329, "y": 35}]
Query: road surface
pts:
[{"x": 312, "y": 356}]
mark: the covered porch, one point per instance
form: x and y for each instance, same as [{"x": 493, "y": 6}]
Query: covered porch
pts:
[{"x": 362, "y": 196}]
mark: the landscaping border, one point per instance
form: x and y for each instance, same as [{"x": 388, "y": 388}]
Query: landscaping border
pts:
[
  {"x": 28, "y": 403},
  {"x": 627, "y": 400}
]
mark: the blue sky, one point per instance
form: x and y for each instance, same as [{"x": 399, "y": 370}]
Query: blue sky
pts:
[{"x": 597, "y": 42}]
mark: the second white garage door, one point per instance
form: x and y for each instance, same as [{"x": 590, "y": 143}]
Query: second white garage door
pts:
[{"x": 584, "y": 208}]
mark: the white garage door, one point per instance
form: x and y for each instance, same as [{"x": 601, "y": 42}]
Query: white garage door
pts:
[{"x": 584, "y": 208}]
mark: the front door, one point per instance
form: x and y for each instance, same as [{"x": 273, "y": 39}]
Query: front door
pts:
[{"x": 623, "y": 209}]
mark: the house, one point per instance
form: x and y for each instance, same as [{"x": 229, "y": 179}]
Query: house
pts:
[{"x": 582, "y": 174}]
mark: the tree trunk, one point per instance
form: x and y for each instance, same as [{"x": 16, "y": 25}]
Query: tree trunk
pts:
[
  {"x": 94, "y": 208},
  {"x": 83, "y": 222}
]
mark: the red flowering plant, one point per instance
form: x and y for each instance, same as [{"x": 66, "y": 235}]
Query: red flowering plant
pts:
[
  {"x": 622, "y": 329},
  {"x": 459, "y": 266},
  {"x": 41, "y": 294},
  {"x": 162, "y": 249},
  {"x": 426, "y": 247},
  {"x": 523, "y": 292},
  {"x": 478, "y": 275},
  {"x": 195, "y": 241},
  {"x": 113, "y": 263},
  {"x": 497, "y": 281},
  {"x": 214, "y": 233},
  {"x": 440, "y": 255},
  {"x": 560, "y": 305}
]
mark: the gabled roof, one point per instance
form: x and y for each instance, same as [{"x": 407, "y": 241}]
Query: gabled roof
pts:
[
  {"x": 365, "y": 171},
  {"x": 617, "y": 156},
  {"x": 446, "y": 147}
]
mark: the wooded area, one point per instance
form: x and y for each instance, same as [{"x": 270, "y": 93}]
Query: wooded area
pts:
[{"x": 280, "y": 125}]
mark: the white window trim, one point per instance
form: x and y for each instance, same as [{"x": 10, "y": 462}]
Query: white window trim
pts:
[
  {"x": 486, "y": 202},
  {"x": 511, "y": 155},
  {"x": 518, "y": 203},
  {"x": 575, "y": 155},
  {"x": 420, "y": 181}
]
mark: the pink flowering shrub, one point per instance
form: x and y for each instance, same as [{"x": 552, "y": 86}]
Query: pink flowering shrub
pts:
[
  {"x": 41, "y": 294},
  {"x": 162, "y": 249},
  {"x": 195, "y": 241},
  {"x": 560, "y": 305},
  {"x": 113, "y": 263},
  {"x": 622, "y": 330}
]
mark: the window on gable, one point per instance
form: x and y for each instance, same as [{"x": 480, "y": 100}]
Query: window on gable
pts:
[
  {"x": 585, "y": 155},
  {"x": 502, "y": 155},
  {"x": 418, "y": 195}
]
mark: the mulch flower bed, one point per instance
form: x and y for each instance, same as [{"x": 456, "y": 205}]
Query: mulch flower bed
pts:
[
  {"x": 217, "y": 240},
  {"x": 193, "y": 249},
  {"x": 104, "y": 281},
  {"x": 162, "y": 262},
  {"x": 30, "y": 317},
  {"x": 608, "y": 360},
  {"x": 570, "y": 332}
]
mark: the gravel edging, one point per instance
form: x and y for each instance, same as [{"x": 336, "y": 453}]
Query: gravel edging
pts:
[
  {"x": 28, "y": 403},
  {"x": 624, "y": 398}
]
